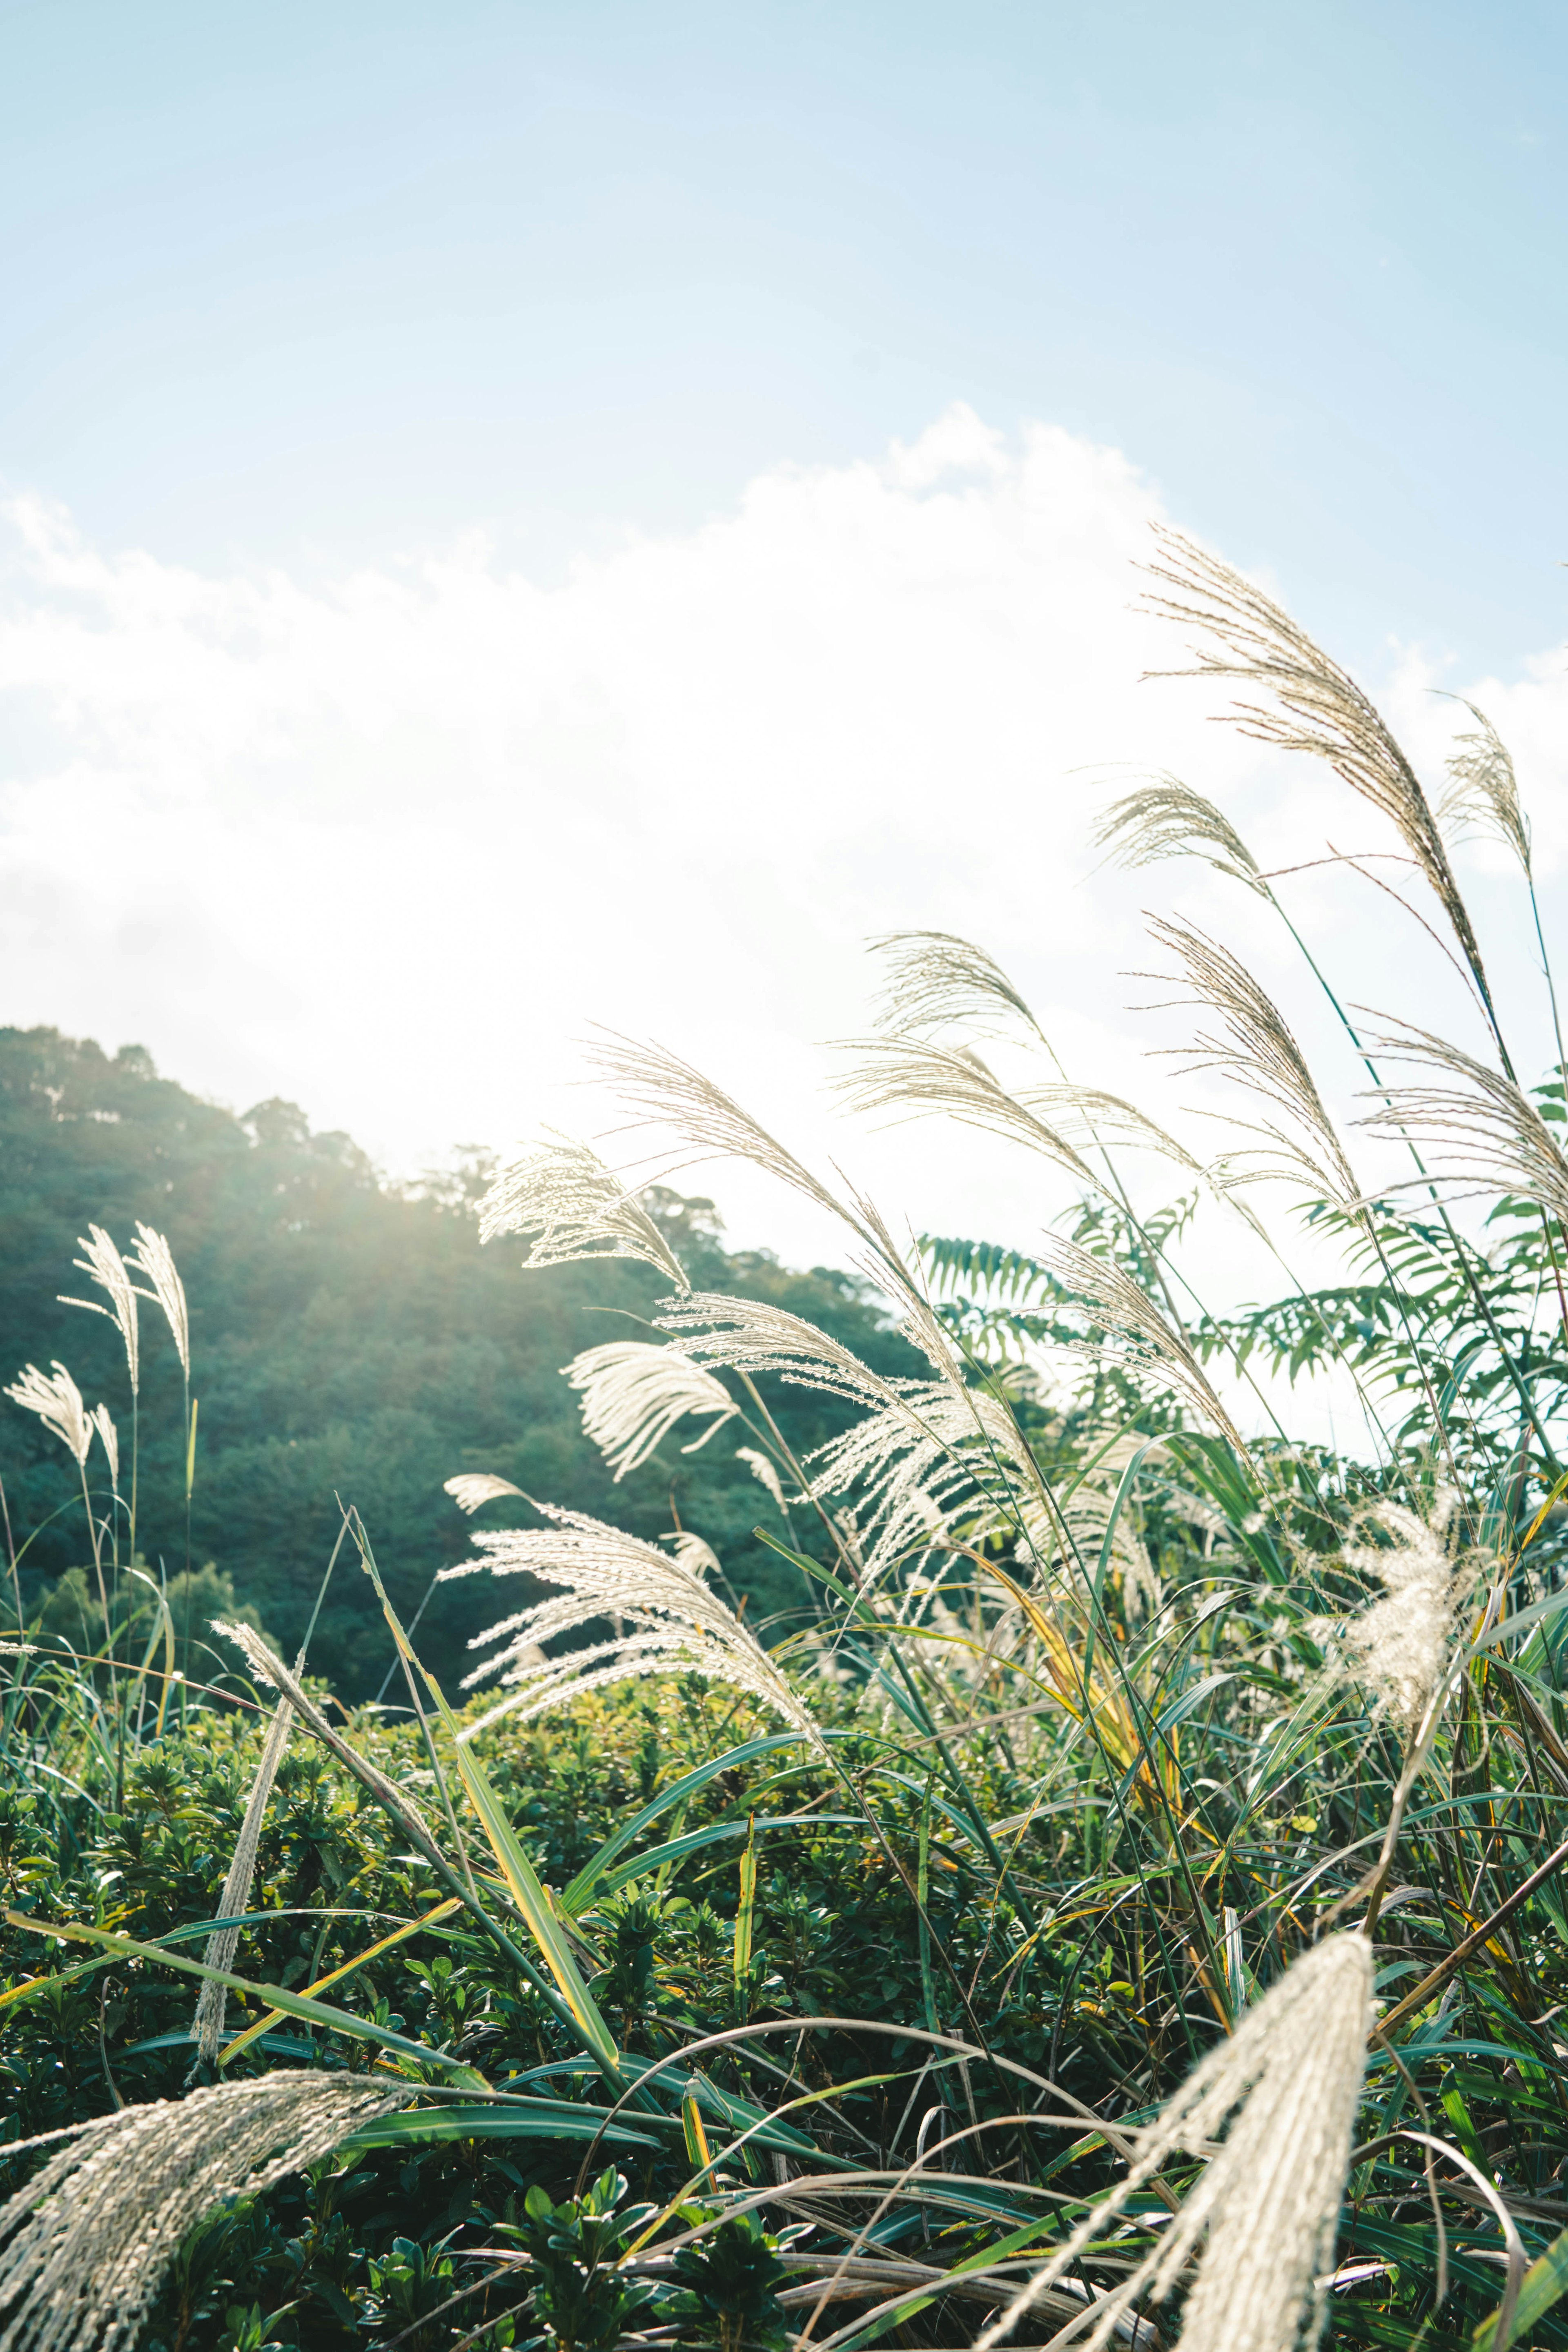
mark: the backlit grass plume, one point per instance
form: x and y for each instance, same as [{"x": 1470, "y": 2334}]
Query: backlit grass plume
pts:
[
  {"x": 1482, "y": 1131},
  {"x": 152, "y": 1258},
  {"x": 1254, "y": 1047},
  {"x": 634, "y": 1394},
  {"x": 752, "y": 1334},
  {"x": 673, "y": 1620},
  {"x": 110, "y": 1273},
  {"x": 937, "y": 981},
  {"x": 921, "y": 1468},
  {"x": 919, "y": 1079},
  {"x": 1165, "y": 818},
  {"x": 109, "y": 1438},
  {"x": 471, "y": 1489},
  {"x": 84, "y": 2244},
  {"x": 1313, "y": 706},
  {"x": 671, "y": 1093},
  {"x": 573, "y": 1207},
  {"x": 58, "y": 1401},
  {"x": 1399, "y": 1646},
  {"x": 1483, "y": 791},
  {"x": 1263, "y": 2214},
  {"x": 1136, "y": 1336},
  {"x": 213, "y": 1999}
]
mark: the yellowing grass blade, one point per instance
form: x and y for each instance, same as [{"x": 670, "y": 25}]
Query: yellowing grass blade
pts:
[
  {"x": 264, "y": 2025},
  {"x": 533, "y": 1902}
]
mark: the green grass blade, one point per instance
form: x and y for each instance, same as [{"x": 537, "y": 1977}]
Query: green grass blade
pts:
[{"x": 292, "y": 2004}]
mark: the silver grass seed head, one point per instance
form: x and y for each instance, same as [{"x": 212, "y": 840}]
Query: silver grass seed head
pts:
[
  {"x": 58, "y": 1401},
  {"x": 84, "y": 2245},
  {"x": 471, "y": 1489},
  {"x": 752, "y": 1334},
  {"x": 575, "y": 1208},
  {"x": 694, "y": 1552},
  {"x": 634, "y": 1394},
  {"x": 921, "y": 1468},
  {"x": 108, "y": 1437},
  {"x": 212, "y": 2002},
  {"x": 1483, "y": 1129},
  {"x": 1256, "y": 1049},
  {"x": 153, "y": 1258},
  {"x": 1483, "y": 791},
  {"x": 1400, "y": 1645},
  {"x": 1311, "y": 705},
  {"x": 110, "y": 1272},
  {"x": 668, "y": 1617},
  {"x": 1165, "y": 818},
  {"x": 664, "y": 1091},
  {"x": 937, "y": 981},
  {"x": 1137, "y": 1336},
  {"x": 764, "y": 1471},
  {"x": 268, "y": 1668},
  {"x": 1263, "y": 2214},
  {"x": 911, "y": 1077}
]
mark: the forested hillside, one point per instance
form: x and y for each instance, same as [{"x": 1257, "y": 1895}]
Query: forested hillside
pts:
[{"x": 349, "y": 1339}]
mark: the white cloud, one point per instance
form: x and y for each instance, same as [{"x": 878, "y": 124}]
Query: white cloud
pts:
[{"x": 385, "y": 845}]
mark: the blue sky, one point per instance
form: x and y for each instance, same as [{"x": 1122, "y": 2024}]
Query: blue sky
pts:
[{"x": 305, "y": 285}]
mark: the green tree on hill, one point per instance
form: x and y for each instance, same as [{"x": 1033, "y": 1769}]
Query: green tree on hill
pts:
[{"x": 350, "y": 1338}]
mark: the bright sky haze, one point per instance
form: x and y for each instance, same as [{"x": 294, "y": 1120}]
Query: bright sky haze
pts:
[{"x": 522, "y": 514}]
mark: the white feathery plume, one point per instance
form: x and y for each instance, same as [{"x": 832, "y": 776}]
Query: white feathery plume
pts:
[
  {"x": 84, "y": 2244},
  {"x": 58, "y": 1401},
  {"x": 672, "y": 1620},
  {"x": 1483, "y": 790},
  {"x": 926, "y": 1463},
  {"x": 1400, "y": 1644},
  {"x": 670, "y": 1092},
  {"x": 576, "y": 1208},
  {"x": 752, "y": 1334},
  {"x": 696, "y": 1555},
  {"x": 764, "y": 1472},
  {"x": 470, "y": 1489},
  {"x": 212, "y": 2002},
  {"x": 1314, "y": 705},
  {"x": 1256, "y": 1049},
  {"x": 1165, "y": 818},
  {"x": 921, "y": 1079},
  {"x": 110, "y": 1271},
  {"x": 1486, "y": 1128},
  {"x": 633, "y": 1395},
  {"x": 153, "y": 1258},
  {"x": 102, "y": 1420},
  {"x": 937, "y": 981},
  {"x": 1263, "y": 2214},
  {"x": 1139, "y": 1340}
]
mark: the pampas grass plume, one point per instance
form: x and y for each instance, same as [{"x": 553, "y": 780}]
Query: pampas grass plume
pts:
[
  {"x": 153, "y": 1258},
  {"x": 84, "y": 2246},
  {"x": 110, "y": 1271},
  {"x": 668, "y": 1618},
  {"x": 1264, "y": 2209},
  {"x": 58, "y": 1401},
  {"x": 633, "y": 1395},
  {"x": 470, "y": 1489}
]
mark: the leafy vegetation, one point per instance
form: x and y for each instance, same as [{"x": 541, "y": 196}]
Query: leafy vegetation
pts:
[
  {"x": 348, "y": 1338},
  {"x": 1121, "y": 1902}
]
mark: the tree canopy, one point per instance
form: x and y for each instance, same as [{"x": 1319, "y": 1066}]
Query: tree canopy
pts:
[{"x": 350, "y": 1338}]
